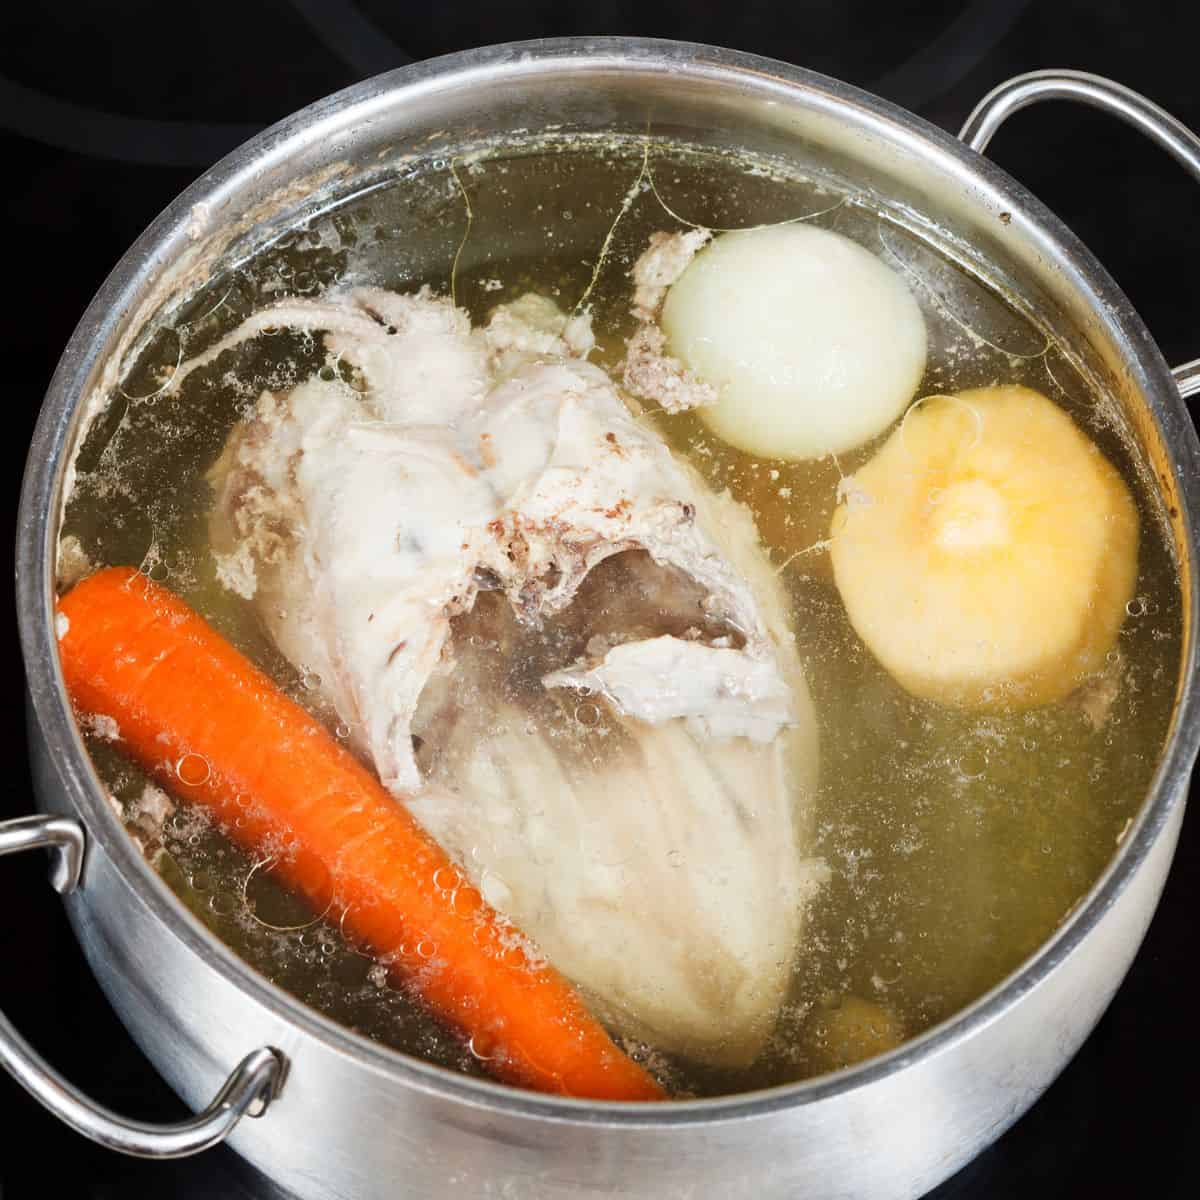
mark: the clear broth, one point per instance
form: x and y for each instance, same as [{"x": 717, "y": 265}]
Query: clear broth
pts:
[{"x": 957, "y": 842}]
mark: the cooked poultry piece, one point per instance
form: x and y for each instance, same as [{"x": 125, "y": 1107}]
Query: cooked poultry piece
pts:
[{"x": 424, "y": 547}]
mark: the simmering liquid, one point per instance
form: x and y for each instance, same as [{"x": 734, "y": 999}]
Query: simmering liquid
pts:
[{"x": 956, "y": 842}]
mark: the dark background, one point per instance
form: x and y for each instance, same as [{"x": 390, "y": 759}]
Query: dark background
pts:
[{"x": 108, "y": 110}]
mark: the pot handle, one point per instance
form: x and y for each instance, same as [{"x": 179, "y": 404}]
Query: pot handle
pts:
[
  {"x": 1113, "y": 98},
  {"x": 247, "y": 1092}
]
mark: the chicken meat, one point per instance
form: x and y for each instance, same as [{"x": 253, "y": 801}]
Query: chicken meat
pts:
[{"x": 557, "y": 645}]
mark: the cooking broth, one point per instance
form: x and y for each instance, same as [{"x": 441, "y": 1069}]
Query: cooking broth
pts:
[{"x": 956, "y": 842}]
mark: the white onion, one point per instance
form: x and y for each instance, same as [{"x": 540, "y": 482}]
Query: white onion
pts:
[{"x": 814, "y": 345}]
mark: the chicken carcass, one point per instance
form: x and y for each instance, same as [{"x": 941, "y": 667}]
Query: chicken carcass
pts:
[{"x": 465, "y": 493}]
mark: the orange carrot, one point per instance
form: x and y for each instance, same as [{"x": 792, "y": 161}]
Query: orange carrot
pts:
[{"x": 218, "y": 732}]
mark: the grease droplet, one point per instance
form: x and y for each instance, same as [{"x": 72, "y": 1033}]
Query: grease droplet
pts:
[{"x": 193, "y": 770}]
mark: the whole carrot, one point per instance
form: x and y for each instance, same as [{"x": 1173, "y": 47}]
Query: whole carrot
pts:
[{"x": 215, "y": 730}]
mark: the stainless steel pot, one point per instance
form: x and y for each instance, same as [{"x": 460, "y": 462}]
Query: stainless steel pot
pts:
[{"x": 342, "y": 1117}]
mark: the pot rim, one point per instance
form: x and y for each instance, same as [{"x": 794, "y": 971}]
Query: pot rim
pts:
[{"x": 38, "y": 519}]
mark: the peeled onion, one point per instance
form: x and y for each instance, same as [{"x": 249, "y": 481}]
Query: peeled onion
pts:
[
  {"x": 813, "y": 344},
  {"x": 986, "y": 553}
]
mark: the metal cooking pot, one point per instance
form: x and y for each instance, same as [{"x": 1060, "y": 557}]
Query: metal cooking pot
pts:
[{"x": 343, "y": 1117}]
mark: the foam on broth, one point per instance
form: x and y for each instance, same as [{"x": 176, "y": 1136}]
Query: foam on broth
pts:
[{"x": 957, "y": 842}]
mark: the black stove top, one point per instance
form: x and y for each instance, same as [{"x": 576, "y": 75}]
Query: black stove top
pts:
[{"x": 107, "y": 111}]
